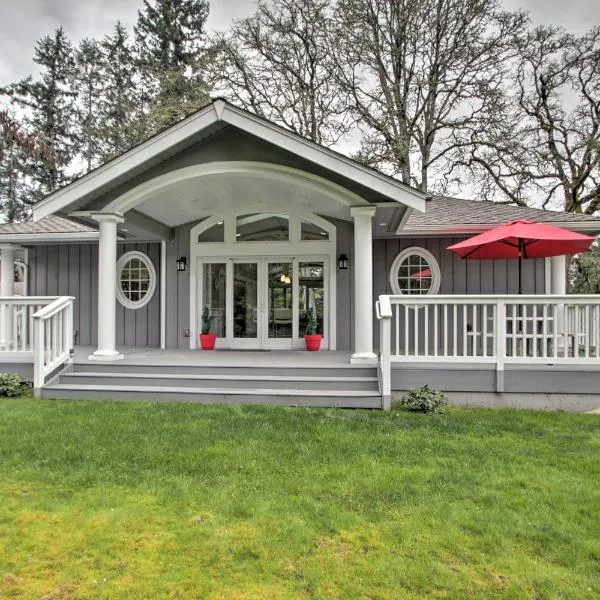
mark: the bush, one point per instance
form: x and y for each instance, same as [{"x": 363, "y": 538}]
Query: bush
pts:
[
  {"x": 425, "y": 400},
  {"x": 11, "y": 385}
]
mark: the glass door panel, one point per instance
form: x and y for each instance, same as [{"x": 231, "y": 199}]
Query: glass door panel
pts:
[
  {"x": 280, "y": 300},
  {"x": 245, "y": 300},
  {"x": 311, "y": 293},
  {"x": 214, "y": 294}
]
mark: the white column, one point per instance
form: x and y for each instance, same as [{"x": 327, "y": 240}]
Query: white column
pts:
[
  {"x": 558, "y": 287},
  {"x": 363, "y": 284},
  {"x": 107, "y": 286},
  {"x": 7, "y": 288},
  {"x": 558, "y": 278}
]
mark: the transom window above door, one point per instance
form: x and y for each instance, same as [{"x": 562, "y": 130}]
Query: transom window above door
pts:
[{"x": 251, "y": 227}]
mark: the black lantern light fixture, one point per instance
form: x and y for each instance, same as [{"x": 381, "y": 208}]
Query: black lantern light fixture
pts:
[
  {"x": 343, "y": 262},
  {"x": 181, "y": 264}
]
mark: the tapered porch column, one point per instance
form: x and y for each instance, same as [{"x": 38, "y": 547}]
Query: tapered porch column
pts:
[
  {"x": 7, "y": 288},
  {"x": 363, "y": 284},
  {"x": 107, "y": 286}
]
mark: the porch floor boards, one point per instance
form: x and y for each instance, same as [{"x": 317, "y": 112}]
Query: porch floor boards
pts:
[{"x": 220, "y": 358}]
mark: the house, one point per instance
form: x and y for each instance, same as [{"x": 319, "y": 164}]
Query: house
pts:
[{"x": 228, "y": 210}]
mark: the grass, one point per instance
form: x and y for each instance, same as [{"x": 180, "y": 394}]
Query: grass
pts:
[{"x": 144, "y": 500}]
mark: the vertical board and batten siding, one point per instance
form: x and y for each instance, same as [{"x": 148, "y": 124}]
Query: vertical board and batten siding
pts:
[
  {"x": 458, "y": 276},
  {"x": 72, "y": 270}
]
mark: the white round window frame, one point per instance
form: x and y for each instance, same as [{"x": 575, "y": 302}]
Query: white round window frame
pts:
[
  {"x": 436, "y": 274},
  {"x": 121, "y": 297}
]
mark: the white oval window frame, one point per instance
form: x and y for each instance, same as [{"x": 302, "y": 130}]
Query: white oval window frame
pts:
[
  {"x": 436, "y": 274},
  {"x": 121, "y": 297}
]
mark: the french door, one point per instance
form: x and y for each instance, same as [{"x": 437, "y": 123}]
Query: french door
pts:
[{"x": 262, "y": 302}]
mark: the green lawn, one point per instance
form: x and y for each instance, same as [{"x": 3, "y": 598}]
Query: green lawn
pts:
[{"x": 144, "y": 500}]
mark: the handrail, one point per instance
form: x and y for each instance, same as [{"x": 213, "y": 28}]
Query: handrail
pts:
[
  {"x": 53, "y": 308},
  {"x": 53, "y": 339}
]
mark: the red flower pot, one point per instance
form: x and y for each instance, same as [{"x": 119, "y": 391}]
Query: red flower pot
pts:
[
  {"x": 313, "y": 342},
  {"x": 207, "y": 341}
]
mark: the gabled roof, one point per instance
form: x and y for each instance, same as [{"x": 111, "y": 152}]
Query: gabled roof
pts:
[
  {"x": 52, "y": 228},
  {"x": 444, "y": 215},
  {"x": 220, "y": 113}
]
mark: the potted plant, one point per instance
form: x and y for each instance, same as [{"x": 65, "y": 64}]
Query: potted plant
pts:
[
  {"x": 311, "y": 337},
  {"x": 207, "y": 339}
]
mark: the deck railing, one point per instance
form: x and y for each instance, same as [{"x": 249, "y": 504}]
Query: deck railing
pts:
[
  {"x": 53, "y": 338},
  {"x": 495, "y": 329},
  {"x": 16, "y": 322}
]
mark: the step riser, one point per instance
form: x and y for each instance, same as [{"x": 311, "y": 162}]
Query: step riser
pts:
[
  {"x": 216, "y": 382},
  {"x": 116, "y": 367},
  {"x": 217, "y": 398}
]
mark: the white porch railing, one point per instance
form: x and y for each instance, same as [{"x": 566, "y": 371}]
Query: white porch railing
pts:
[
  {"x": 38, "y": 329},
  {"x": 495, "y": 329},
  {"x": 53, "y": 338},
  {"x": 16, "y": 322}
]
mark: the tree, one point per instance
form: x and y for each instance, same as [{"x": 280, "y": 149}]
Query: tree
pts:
[
  {"x": 414, "y": 72},
  {"x": 172, "y": 56},
  {"x": 121, "y": 102},
  {"x": 88, "y": 81},
  {"x": 543, "y": 144},
  {"x": 18, "y": 149},
  {"x": 584, "y": 272},
  {"x": 48, "y": 104},
  {"x": 277, "y": 64}
]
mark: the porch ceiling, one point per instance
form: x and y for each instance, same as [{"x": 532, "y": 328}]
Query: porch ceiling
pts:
[{"x": 193, "y": 199}]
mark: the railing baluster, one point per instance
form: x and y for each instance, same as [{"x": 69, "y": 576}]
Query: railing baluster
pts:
[
  {"x": 455, "y": 332},
  {"x": 406, "y": 332},
  {"x": 445, "y": 353},
  {"x": 416, "y": 327},
  {"x": 397, "y": 311},
  {"x": 426, "y": 332},
  {"x": 435, "y": 329},
  {"x": 485, "y": 331}
]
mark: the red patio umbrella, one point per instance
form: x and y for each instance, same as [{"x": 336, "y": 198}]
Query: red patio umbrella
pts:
[
  {"x": 424, "y": 274},
  {"x": 522, "y": 239}
]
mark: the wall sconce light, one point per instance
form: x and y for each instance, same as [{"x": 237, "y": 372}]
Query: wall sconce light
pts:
[
  {"x": 343, "y": 262},
  {"x": 181, "y": 263}
]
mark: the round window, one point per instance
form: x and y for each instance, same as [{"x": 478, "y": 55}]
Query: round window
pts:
[
  {"x": 136, "y": 280},
  {"x": 415, "y": 272}
]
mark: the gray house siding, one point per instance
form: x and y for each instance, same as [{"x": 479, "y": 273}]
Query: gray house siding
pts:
[{"x": 72, "y": 270}]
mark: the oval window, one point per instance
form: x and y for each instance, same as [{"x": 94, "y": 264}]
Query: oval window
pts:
[
  {"x": 415, "y": 272},
  {"x": 136, "y": 280}
]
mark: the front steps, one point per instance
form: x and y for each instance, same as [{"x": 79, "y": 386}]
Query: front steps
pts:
[{"x": 335, "y": 386}]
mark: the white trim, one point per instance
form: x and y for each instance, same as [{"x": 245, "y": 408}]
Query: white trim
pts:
[
  {"x": 163, "y": 294},
  {"x": 48, "y": 237},
  {"x": 436, "y": 275},
  {"x": 220, "y": 111},
  {"x": 451, "y": 230},
  {"x": 121, "y": 297}
]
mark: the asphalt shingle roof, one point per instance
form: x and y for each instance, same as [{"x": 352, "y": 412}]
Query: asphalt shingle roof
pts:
[
  {"x": 48, "y": 225},
  {"x": 442, "y": 211}
]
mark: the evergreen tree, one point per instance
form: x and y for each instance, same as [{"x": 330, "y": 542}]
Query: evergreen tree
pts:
[
  {"x": 48, "y": 103},
  {"x": 88, "y": 82},
  {"x": 173, "y": 54},
  {"x": 121, "y": 104}
]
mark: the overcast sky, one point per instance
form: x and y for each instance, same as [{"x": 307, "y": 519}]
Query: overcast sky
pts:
[{"x": 22, "y": 22}]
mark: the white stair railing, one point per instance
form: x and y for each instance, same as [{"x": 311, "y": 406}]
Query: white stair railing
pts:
[{"x": 53, "y": 339}]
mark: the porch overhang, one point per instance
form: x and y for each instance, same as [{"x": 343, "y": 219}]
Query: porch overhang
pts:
[{"x": 104, "y": 187}]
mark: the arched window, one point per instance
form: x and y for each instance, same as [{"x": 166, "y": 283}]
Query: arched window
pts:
[
  {"x": 415, "y": 272},
  {"x": 136, "y": 280}
]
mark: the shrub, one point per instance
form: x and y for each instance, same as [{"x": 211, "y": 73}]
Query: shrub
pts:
[
  {"x": 11, "y": 385},
  {"x": 425, "y": 400}
]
